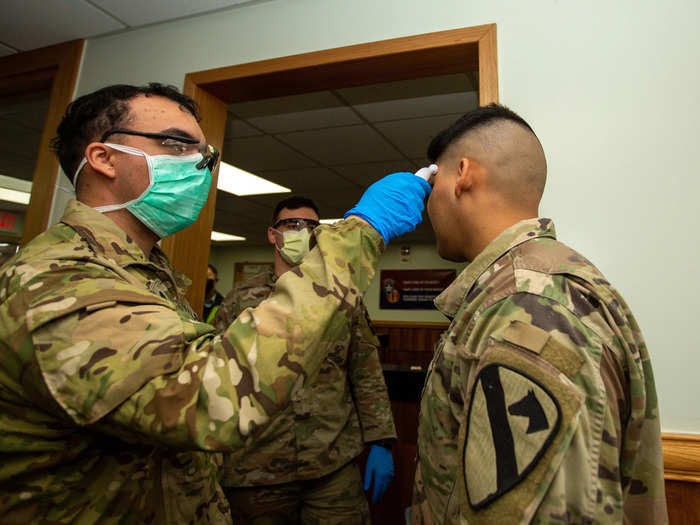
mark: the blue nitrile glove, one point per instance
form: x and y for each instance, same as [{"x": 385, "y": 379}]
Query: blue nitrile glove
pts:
[
  {"x": 380, "y": 466},
  {"x": 394, "y": 204}
]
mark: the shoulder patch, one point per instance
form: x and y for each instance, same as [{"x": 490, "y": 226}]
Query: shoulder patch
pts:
[
  {"x": 522, "y": 415},
  {"x": 512, "y": 421}
]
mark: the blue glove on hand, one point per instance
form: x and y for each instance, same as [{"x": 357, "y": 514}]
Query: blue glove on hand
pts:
[
  {"x": 394, "y": 204},
  {"x": 380, "y": 466}
]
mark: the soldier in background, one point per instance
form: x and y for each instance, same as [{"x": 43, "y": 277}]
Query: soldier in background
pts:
[
  {"x": 302, "y": 468},
  {"x": 212, "y": 297},
  {"x": 540, "y": 404},
  {"x": 112, "y": 394}
]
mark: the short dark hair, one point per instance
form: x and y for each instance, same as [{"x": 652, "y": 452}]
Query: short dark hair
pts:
[
  {"x": 87, "y": 118},
  {"x": 213, "y": 269},
  {"x": 468, "y": 122},
  {"x": 292, "y": 203}
]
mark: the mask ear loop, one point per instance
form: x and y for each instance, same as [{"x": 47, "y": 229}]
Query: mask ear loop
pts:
[{"x": 149, "y": 164}]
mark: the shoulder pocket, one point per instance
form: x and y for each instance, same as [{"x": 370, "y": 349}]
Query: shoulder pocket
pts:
[
  {"x": 522, "y": 413},
  {"x": 96, "y": 351}
]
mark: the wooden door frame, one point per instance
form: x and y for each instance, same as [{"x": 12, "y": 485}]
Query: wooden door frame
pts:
[
  {"x": 471, "y": 49},
  {"x": 55, "y": 66}
]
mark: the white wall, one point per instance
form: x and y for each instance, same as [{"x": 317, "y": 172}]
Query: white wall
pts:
[{"x": 610, "y": 88}]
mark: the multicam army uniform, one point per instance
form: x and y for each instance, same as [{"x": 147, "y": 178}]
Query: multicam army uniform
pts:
[
  {"x": 540, "y": 405},
  {"x": 328, "y": 421},
  {"x": 105, "y": 375}
]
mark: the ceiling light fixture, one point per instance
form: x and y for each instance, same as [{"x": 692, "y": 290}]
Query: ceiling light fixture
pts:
[
  {"x": 240, "y": 182},
  {"x": 330, "y": 221},
  {"x": 15, "y": 190},
  {"x": 221, "y": 237}
]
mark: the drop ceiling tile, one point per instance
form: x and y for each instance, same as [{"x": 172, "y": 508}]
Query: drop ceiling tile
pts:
[
  {"x": 287, "y": 104},
  {"x": 342, "y": 145},
  {"x": 30, "y": 24},
  {"x": 369, "y": 172},
  {"x": 412, "y": 136},
  {"x": 138, "y": 13},
  {"x": 306, "y": 120},
  {"x": 236, "y": 208},
  {"x": 6, "y": 51},
  {"x": 296, "y": 113},
  {"x": 255, "y": 154},
  {"x": 309, "y": 180},
  {"x": 452, "y": 103},
  {"x": 18, "y": 140},
  {"x": 237, "y": 128},
  {"x": 14, "y": 166},
  {"x": 419, "y": 87},
  {"x": 32, "y": 116}
]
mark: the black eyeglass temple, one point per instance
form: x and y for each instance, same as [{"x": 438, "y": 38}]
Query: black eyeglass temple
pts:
[{"x": 185, "y": 140}]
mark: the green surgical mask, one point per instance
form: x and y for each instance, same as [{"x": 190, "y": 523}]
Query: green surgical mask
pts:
[
  {"x": 296, "y": 246},
  {"x": 175, "y": 195}
]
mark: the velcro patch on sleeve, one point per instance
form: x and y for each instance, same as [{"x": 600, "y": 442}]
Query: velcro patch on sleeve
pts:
[
  {"x": 521, "y": 416},
  {"x": 526, "y": 335}
]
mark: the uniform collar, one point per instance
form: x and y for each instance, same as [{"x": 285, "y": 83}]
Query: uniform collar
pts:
[
  {"x": 449, "y": 301},
  {"x": 107, "y": 239}
]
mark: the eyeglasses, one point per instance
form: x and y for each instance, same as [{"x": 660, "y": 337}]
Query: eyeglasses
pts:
[
  {"x": 175, "y": 142},
  {"x": 296, "y": 224}
]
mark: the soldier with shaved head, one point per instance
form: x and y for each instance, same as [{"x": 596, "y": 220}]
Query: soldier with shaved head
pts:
[
  {"x": 540, "y": 404},
  {"x": 114, "y": 398}
]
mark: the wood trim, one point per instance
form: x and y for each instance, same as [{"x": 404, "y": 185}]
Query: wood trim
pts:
[
  {"x": 179, "y": 247},
  {"x": 409, "y": 324},
  {"x": 681, "y": 456},
  {"x": 58, "y": 67},
  {"x": 441, "y": 41},
  {"x": 488, "y": 67},
  {"x": 442, "y": 52}
]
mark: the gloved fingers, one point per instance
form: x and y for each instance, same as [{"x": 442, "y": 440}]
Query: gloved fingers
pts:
[{"x": 379, "y": 489}]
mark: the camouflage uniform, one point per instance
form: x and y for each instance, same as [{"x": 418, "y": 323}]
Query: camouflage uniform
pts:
[
  {"x": 540, "y": 405},
  {"x": 324, "y": 428},
  {"x": 109, "y": 386}
]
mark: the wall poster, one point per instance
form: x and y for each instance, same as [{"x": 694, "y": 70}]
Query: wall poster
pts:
[{"x": 412, "y": 289}]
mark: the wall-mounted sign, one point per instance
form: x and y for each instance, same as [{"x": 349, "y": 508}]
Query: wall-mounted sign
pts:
[
  {"x": 7, "y": 221},
  {"x": 412, "y": 289}
]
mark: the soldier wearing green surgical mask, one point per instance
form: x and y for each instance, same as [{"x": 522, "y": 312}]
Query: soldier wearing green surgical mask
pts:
[
  {"x": 115, "y": 399},
  {"x": 290, "y": 233},
  {"x": 302, "y": 468}
]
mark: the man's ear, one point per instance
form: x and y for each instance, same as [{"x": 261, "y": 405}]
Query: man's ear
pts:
[
  {"x": 465, "y": 176},
  {"x": 101, "y": 159},
  {"x": 271, "y": 235}
]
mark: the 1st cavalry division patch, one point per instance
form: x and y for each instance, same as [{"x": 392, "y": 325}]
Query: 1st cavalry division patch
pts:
[{"x": 512, "y": 421}]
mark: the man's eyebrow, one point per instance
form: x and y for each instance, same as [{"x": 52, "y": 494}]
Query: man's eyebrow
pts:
[{"x": 178, "y": 133}]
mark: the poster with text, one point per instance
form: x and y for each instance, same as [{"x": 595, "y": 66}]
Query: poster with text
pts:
[{"x": 412, "y": 289}]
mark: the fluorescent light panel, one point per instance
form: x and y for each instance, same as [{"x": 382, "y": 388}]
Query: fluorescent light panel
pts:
[
  {"x": 240, "y": 182},
  {"x": 330, "y": 221},
  {"x": 15, "y": 190},
  {"x": 219, "y": 237},
  {"x": 20, "y": 197}
]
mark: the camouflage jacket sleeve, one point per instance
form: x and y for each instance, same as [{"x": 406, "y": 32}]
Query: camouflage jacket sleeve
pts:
[
  {"x": 225, "y": 314},
  {"x": 115, "y": 355},
  {"x": 250, "y": 293},
  {"x": 367, "y": 381},
  {"x": 557, "y": 384}
]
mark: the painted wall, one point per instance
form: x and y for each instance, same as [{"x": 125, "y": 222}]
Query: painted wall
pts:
[{"x": 610, "y": 88}]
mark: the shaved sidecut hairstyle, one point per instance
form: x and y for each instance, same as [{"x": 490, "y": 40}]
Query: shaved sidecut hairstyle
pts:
[{"x": 500, "y": 139}]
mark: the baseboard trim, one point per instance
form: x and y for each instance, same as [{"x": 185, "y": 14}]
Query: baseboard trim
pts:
[{"x": 681, "y": 456}]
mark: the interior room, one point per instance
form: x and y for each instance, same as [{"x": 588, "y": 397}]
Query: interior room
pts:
[{"x": 321, "y": 98}]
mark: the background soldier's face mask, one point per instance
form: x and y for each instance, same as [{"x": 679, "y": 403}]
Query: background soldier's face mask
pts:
[
  {"x": 295, "y": 247},
  {"x": 178, "y": 188}
]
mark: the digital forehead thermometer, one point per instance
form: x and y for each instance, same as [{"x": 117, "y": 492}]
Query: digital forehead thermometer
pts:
[{"x": 427, "y": 172}]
